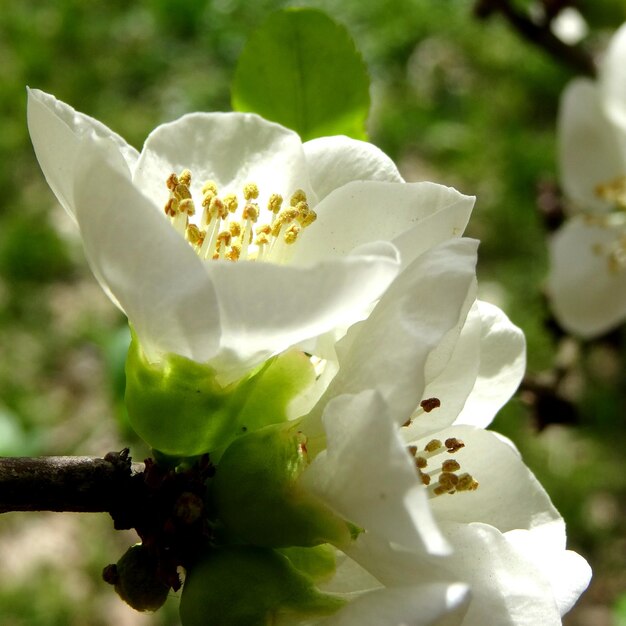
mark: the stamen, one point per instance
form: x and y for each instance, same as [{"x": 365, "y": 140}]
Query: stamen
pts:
[
  {"x": 454, "y": 445},
  {"x": 207, "y": 235},
  {"x": 426, "y": 406},
  {"x": 445, "y": 475},
  {"x": 613, "y": 191},
  {"x": 430, "y": 404},
  {"x": 194, "y": 235},
  {"x": 298, "y": 196},
  {"x": 250, "y": 191}
]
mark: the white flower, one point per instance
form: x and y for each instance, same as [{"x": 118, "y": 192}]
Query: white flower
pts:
[
  {"x": 441, "y": 500},
  {"x": 233, "y": 316},
  {"x": 587, "y": 281}
]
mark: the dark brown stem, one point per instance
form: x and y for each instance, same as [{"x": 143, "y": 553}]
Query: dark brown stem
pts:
[
  {"x": 65, "y": 483},
  {"x": 539, "y": 34}
]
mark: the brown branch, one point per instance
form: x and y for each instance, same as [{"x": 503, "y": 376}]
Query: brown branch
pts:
[
  {"x": 539, "y": 34},
  {"x": 64, "y": 483}
]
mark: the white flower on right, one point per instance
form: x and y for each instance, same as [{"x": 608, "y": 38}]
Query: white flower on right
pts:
[
  {"x": 407, "y": 458},
  {"x": 587, "y": 280}
]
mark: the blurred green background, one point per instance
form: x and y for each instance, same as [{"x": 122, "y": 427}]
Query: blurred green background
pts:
[{"x": 455, "y": 100}]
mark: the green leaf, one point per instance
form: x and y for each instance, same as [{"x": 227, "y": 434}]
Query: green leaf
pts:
[{"x": 302, "y": 70}]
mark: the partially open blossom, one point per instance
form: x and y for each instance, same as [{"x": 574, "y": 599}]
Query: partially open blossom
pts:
[
  {"x": 396, "y": 446},
  {"x": 171, "y": 233},
  {"x": 587, "y": 281},
  {"x": 480, "y": 516}
]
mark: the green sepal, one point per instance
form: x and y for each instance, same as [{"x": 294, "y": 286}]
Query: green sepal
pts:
[
  {"x": 318, "y": 562},
  {"x": 249, "y": 586},
  {"x": 257, "y": 496},
  {"x": 178, "y": 407}
]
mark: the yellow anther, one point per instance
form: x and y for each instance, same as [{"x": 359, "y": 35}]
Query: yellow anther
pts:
[
  {"x": 310, "y": 217},
  {"x": 420, "y": 462},
  {"x": 467, "y": 483},
  {"x": 613, "y": 191},
  {"x": 210, "y": 187},
  {"x": 291, "y": 234},
  {"x": 224, "y": 238},
  {"x": 274, "y": 203},
  {"x": 453, "y": 444},
  {"x": 297, "y": 196},
  {"x": 263, "y": 235},
  {"x": 230, "y": 202},
  {"x": 250, "y": 191},
  {"x": 194, "y": 235},
  {"x": 185, "y": 178},
  {"x": 425, "y": 478},
  {"x": 171, "y": 207},
  {"x": 289, "y": 215},
  {"x": 448, "y": 481},
  {"x": 187, "y": 206},
  {"x": 261, "y": 240},
  {"x": 182, "y": 192},
  {"x": 303, "y": 212},
  {"x": 172, "y": 181},
  {"x": 450, "y": 465},
  {"x": 217, "y": 208},
  {"x": 250, "y": 212},
  {"x": 433, "y": 445},
  {"x": 412, "y": 450},
  {"x": 234, "y": 253},
  {"x": 235, "y": 229}
]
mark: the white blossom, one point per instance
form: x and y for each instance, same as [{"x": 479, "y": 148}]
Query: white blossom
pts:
[
  {"x": 369, "y": 225},
  {"x": 587, "y": 280}
]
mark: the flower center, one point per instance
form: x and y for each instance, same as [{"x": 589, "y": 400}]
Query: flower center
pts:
[
  {"x": 440, "y": 475},
  {"x": 613, "y": 249},
  {"x": 235, "y": 227},
  {"x": 613, "y": 191}
]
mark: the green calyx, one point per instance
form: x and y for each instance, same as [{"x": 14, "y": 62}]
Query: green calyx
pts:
[
  {"x": 178, "y": 407},
  {"x": 259, "y": 500},
  {"x": 249, "y": 586}
]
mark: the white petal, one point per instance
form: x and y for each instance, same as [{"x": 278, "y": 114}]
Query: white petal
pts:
[
  {"x": 569, "y": 574},
  {"x": 508, "y": 496},
  {"x": 335, "y": 161},
  {"x": 136, "y": 255},
  {"x": 507, "y": 589},
  {"x": 590, "y": 149},
  {"x": 388, "y": 351},
  {"x": 502, "y": 366},
  {"x": 452, "y": 385},
  {"x": 612, "y": 79},
  {"x": 56, "y": 131},
  {"x": 366, "y": 475},
  {"x": 230, "y": 149},
  {"x": 413, "y": 216},
  {"x": 266, "y": 308},
  {"x": 425, "y": 605},
  {"x": 587, "y": 296}
]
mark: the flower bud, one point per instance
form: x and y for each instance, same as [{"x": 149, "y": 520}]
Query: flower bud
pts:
[{"x": 136, "y": 581}]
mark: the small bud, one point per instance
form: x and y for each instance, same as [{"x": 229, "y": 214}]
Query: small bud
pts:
[{"x": 136, "y": 581}]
